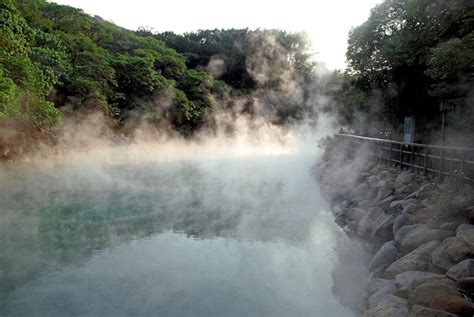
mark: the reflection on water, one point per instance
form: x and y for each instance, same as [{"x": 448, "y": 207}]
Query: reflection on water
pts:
[{"x": 217, "y": 238}]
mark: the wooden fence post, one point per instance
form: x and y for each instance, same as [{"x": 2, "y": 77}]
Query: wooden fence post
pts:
[
  {"x": 441, "y": 158},
  {"x": 425, "y": 162},
  {"x": 401, "y": 156},
  {"x": 390, "y": 154}
]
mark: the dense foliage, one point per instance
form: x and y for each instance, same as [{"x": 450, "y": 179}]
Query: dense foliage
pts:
[
  {"x": 408, "y": 57},
  {"x": 54, "y": 56},
  {"x": 233, "y": 47},
  {"x": 56, "y": 60}
]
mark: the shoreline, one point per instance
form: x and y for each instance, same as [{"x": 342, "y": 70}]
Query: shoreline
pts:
[{"x": 420, "y": 233}]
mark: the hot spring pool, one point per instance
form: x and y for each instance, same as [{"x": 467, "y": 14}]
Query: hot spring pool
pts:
[{"x": 246, "y": 237}]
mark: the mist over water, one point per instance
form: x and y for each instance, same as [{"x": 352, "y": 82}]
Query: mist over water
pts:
[{"x": 224, "y": 236}]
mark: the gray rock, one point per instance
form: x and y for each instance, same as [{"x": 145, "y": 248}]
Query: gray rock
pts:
[
  {"x": 426, "y": 292},
  {"x": 436, "y": 222},
  {"x": 422, "y": 311},
  {"x": 466, "y": 234},
  {"x": 390, "y": 306},
  {"x": 386, "y": 255},
  {"x": 417, "y": 260},
  {"x": 466, "y": 284},
  {"x": 401, "y": 221},
  {"x": 380, "y": 294},
  {"x": 422, "y": 192},
  {"x": 377, "y": 273},
  {"x": 382, "y": 194},
  {"x": 410, "y": 208},
  {"x": 404, "y": 178},
  {"x": 348, "y": 229},
  {"x": 463, "y": 247},
  {"x": 385, "y": 203},
  {"x": 463, "y": 227},
  {"x": 423, "y": 214},
  {"x": 461, "y": 270},
  {"x": 407, "y": 280},
  {"x": 383, "y": 229},
  {"x": 379, "y": 283},
  {"x": 459, "y": 251},
  {"x": 409, "y": 240},
  {"x": 451, "y": 225},
  {"x": 427, "y": 187},
  {"x": 440, "y": 256},
  {"x": 362, "y": 190},
  {"x": 375, "y": 223},
  {"x": 365, "y": 203},
  {"x": 402, "y": 204},
  {"x": 403, "y": 231},
  {"x": 356, "y": 214},
  {"x": 455, "y": 304}
]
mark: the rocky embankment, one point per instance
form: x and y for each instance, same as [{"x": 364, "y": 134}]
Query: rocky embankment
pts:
[{"x": 419, "y": 231}]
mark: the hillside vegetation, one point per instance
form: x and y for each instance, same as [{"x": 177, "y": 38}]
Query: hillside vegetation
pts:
[{"x": 59, "y": 64}]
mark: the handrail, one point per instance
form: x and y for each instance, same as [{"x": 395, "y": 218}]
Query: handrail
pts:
[
  {"x": 430, "y": 159},
  {"x": 414, "y": 144}
]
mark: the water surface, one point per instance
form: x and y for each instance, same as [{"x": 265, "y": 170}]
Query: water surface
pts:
[{"x": 247, "y": 237}]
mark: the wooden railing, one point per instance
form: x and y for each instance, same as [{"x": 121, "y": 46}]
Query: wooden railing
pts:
[{"x": 428, "y": 159}]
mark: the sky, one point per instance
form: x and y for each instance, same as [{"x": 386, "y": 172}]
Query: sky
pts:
[{"x": 327, "y": 22}]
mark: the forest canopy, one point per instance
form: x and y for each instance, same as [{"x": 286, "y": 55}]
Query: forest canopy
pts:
[
  {"x": 58, "y": 63},
  {"x": 408, "y": 58}
]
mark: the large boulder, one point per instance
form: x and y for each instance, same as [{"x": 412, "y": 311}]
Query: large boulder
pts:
[
  {"x": 355, "y": 214},
  {"x": 402, "y": 232},
  {"x": 440, "y": 257},
  {"x": 466, "y": 234},
  {"x": 409, "y": 240},
  {"x": 376, "y": 297},
  {"x": 349, "y": 216},
  {"x": 362, "y": 190},
  {"x": 410, "y": 208},
  {"x": 417, "y": 260},
  {"x": 401, "y": 204},
  {"x": 451, "y": 225},
  {"x": 408, "y": 189},
  {"x": 401, "y": 221},
  {"x": 378, "y": 283},
  {"x": 408, "y": 280},
  {"x": 404, "y": 178},
  {"x": 459, "y": 251},
  {"x": 425, "y": 293},
  {"x": 466, "y": 285},
  {"x": 389, "y": 306},
  {"x": 385, "y": 203},
  {"x": 383, "y": 192},
  {"x": 386, "y": 255},
  {"x": 454, "y": 304},
  {"x": 423, "y": 191},
  {"x": 377, "y": 273},
  {"x": 463, "y": 246},
  {"x": 461, "y": 270},
  {"x": 422, "y": 311},
  {"x": 423, "y": 214},
  {"x": 464, "y": 226},
  {"x": 375, "y": 223}
]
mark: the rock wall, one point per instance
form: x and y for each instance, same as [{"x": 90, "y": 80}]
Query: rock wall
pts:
[{"x": 420, "y": 232}]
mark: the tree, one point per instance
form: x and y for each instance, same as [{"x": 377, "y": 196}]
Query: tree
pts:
[{"x": 401, "y": 52}]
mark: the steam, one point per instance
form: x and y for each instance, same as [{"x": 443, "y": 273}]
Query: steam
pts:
[
  {"x": 284, "y": 115},
  {"x": 149, "y": 179}
]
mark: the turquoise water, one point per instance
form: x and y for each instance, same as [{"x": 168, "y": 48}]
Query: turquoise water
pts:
[{"x": 248, "y": 237}]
